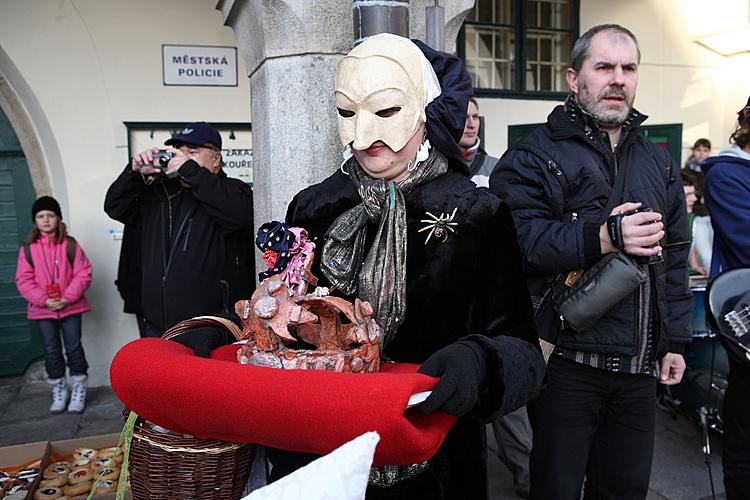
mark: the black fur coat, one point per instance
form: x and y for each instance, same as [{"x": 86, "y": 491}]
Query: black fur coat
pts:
[{"x": 471, "y": 284}]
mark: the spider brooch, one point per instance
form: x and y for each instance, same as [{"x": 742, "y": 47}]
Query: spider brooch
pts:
[{"x": 439, "y": 226}]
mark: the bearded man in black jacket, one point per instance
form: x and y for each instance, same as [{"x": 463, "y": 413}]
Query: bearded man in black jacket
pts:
[
  {"x": 595, "y": 418},
  {"x": 197, "y": 229}
]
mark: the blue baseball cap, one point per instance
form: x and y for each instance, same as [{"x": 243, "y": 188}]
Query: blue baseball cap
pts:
[{"x": 197, "y": 134}]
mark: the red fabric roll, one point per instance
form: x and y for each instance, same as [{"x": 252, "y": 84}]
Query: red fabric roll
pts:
[{"x": 297, "y": 410}]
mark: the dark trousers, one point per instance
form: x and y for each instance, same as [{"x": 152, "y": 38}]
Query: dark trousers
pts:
[
  {"x": 149, "y": 330},
  {"x": 69, "y": 329},
  {"x": 736, "y": 457},
  {"x": 142, "y": 324},
  {"x": 593, "y": 423},
  {"x": 513, "y": 436}
]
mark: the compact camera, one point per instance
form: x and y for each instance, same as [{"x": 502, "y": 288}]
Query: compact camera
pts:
[
  {"x": 161, "y": 158},
  {"x": 654, "y": 259}
]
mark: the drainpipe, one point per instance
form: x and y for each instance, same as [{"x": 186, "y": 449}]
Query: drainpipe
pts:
[
  {"x": 435, "y": 27},
  {"x": 380, "y": 16}
]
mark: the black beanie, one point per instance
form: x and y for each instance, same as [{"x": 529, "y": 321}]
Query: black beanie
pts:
[{"x": 45, "y": 203}]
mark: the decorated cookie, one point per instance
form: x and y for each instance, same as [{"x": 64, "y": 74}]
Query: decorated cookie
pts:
[
  {"x": 106, "y": 486},
  {"x": 28, "y": 473},
  {"x": 104, "y": 463},
  {"x": 108, "y": 473},
  {"x": 83, "y": 462},
  {"x": 73, "y": 490},
  {"x": 109, "y": 452},
  {"x": 55, "y": 470},
  {"x": 87, "y": 453},
  {"x": 79, "y": 475},
  {"x": 48, "y": 493},
  {"x": 114, "y": 451},
  {"x": 54, "y": 482}
]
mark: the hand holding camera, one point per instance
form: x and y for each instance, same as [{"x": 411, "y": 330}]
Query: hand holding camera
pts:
[
  {"x": 155, "y": 161},
  {"x": 636, "y": 230}
]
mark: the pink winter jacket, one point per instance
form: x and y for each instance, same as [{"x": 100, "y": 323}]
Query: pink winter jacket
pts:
[{"x": 51, "y": 265}]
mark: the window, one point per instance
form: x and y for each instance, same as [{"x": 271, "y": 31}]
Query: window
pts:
[{"x": 488, "y": 45}]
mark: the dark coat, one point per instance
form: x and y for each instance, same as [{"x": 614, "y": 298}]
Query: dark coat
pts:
[
  {"x": 129, "y": 269},
  {"x": 207, "y": 265},
  {"x": 558, "y": 181},
  {"x": 470, "y": 284},
  {"x": 727, "y": 189}
]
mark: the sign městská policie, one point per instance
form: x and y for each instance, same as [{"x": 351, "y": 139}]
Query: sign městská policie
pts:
[{"x": 199, "y": 65}]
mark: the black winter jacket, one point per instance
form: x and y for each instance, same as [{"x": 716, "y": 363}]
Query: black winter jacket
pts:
[
  {"x": 207, "y": 264},
  {"x": 557, "y": 182},
  {"x": 470, "y": 284}
]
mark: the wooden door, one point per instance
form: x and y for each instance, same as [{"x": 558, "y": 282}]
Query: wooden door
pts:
[{"x": 19, "y": 341}]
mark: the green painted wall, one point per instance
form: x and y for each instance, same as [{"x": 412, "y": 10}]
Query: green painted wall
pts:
[{"x": 19, "y": 341}]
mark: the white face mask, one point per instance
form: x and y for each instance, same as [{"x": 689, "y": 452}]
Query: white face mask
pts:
[{"x": 380, "y": 92}]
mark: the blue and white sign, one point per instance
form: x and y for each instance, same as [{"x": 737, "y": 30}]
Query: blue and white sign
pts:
[{"x": 199, "y": 65}]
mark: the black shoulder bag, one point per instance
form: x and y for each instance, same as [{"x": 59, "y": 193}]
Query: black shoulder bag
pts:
[{"x": 604, "y": 284}]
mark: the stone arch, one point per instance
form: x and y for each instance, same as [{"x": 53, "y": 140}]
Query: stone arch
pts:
[{"x": 25, "y": 113}]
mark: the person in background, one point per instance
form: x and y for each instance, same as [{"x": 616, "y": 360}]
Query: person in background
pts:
[
  {"x": 512, "y": 431},
  {"x": 728, "y": 201},
  {"x": 129, "y": 275},
  {"x": 52, "y": 275},
  {"x": 196, "y": 228},
  {"x": 701, "y": 150},
  {"x": 692, "y": 171},
  {"x": 476, "y": 158},
  {"x": 586, "y": 171},
  {"x": 697, "y": 264}
]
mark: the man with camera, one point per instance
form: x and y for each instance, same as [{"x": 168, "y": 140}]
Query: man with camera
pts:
[
  {"x": 595, "y": 201},
  {"x": 196, "y": 226}
]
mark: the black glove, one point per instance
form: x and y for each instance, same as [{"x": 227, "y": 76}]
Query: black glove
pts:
[
  {"x": 461, "y": 367},
  {"x": 204, "y": 339}
]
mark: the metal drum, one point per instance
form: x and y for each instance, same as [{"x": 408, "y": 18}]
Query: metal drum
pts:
[{"x": 705, "y": 379}]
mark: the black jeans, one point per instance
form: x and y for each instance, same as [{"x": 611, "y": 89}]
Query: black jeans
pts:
[
  {"x": 736, "y": 458},
  {"x": 69, "y": 329},
  {"x": 596, "y": 423}
]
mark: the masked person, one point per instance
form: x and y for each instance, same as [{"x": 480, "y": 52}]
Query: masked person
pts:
[
  {"x": 196, "y": 229},
  {"x": 401, "y": 225}
]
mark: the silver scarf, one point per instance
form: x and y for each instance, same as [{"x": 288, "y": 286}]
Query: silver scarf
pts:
[{"x": 380, "y": 277}]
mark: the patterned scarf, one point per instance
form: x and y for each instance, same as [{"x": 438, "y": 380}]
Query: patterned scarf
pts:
[{"x": 380, "y": 276}]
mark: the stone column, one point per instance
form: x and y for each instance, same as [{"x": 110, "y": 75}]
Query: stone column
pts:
[{"x": 291, "y": 49}]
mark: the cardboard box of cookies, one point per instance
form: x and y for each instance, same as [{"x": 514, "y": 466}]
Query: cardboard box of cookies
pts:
[{"x": 64, "y": 470}]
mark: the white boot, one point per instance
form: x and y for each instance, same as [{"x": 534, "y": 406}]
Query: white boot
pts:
[
  {"x": 59, "y": 394},
  {"x": 78, "y": 394}
]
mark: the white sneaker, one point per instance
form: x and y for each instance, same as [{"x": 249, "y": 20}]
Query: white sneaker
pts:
[
  {"x": 78, "y": 393},
  {"x": 59, "y": 394}
]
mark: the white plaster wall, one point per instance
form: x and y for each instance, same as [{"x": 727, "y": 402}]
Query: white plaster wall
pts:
[
  {"x": 680, "y": 81},
  {"x": 91, "y": 65}
]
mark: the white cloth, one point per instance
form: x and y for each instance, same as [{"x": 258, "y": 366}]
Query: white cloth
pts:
[{"x": 340, "y": 475}]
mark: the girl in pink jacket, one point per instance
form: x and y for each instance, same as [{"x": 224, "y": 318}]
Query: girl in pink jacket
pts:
[{"x": 52, "y": 275}]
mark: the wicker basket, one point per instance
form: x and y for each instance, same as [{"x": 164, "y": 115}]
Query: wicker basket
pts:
[
  {"x": 171, "y": 466},
  {"x": 167, "y": 465}
]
